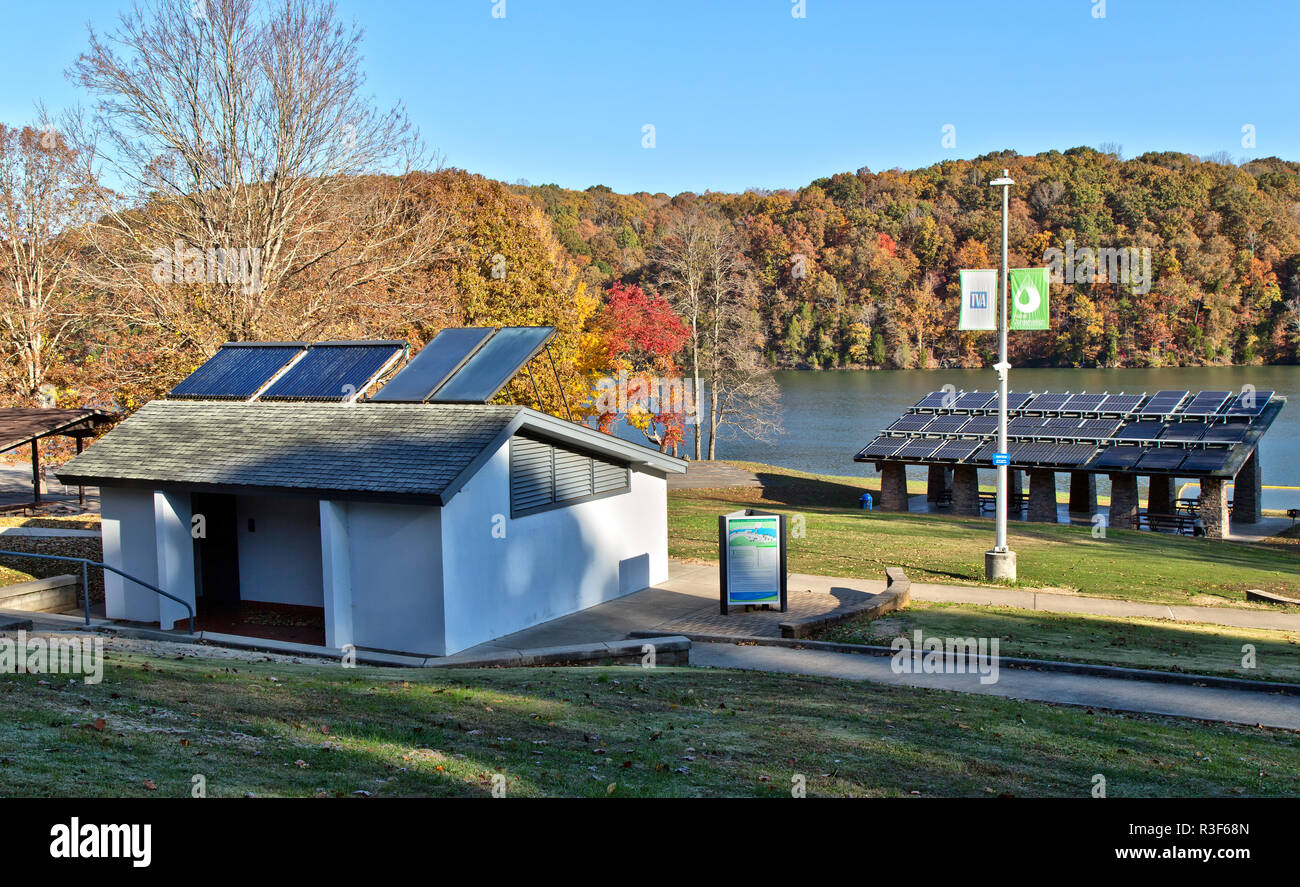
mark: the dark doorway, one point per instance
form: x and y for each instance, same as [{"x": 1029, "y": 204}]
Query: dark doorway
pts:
[{"x": 216, "y": 552}]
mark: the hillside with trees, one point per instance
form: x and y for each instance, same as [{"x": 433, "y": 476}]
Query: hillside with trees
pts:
[{"x": 860, "y": 269}]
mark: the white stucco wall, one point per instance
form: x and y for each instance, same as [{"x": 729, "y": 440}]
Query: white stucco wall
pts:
[
  {"x": 280, "y": 559},
  {"x": 384, "y": 569},
  {"x": 127, "y": 529},
  {"x": 549, "y": 564}
]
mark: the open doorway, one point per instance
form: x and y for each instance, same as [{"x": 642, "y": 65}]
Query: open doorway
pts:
[
  {"x": 216, "y": 549},
  {"x": 257, "y": 568}
]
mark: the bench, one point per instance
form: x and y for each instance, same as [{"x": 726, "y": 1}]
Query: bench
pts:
[{"x": 1168, "y": 523}]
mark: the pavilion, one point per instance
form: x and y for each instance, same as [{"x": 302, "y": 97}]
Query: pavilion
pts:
[{"x": 1211, "y": 436}]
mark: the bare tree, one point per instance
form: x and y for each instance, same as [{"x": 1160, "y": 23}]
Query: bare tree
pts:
[
  {"x": 41, "y": 206},
  {"x": 703, "y": 269},
  {"x": 256, "y": 189},
  {"x": 680, "y": 260}
]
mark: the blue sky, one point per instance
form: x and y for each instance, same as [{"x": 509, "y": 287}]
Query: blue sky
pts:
[{"x": 744, "y": 94}]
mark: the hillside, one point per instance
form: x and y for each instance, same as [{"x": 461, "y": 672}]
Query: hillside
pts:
[{"x": 860, "y": 269}]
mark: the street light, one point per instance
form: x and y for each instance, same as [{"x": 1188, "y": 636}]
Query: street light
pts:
[{"x": 1000, "y": 563}]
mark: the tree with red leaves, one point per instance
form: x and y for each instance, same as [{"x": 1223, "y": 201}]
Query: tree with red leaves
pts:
[{"x": 641, "y": 336}]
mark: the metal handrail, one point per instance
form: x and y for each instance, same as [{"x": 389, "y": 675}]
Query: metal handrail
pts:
[{"x": 85, "y": 580}]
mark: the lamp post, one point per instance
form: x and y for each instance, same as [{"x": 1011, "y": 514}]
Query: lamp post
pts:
[{"x": 1000, "y": 563}]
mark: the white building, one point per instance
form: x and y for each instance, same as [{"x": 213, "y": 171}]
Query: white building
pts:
[{"x": 418, "y": 528}]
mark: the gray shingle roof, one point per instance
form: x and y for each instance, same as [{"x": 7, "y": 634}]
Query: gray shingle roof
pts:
[{"x": 403, "y": 450}]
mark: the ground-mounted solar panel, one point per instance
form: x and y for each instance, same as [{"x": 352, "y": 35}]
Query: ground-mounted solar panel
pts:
[
  {"x": 1207, "y": 403},
  {"x": 237, "y": 371},
  {"x": 1120, "y": 404},
  {"x": 945, "y": 424},
  {"x": 1061, "y": 426},
  {"x": 1142, "y": 430},
  {"x": 1048, "y": 402},
  {"x": 981, "y": 425},
  {"x": 1231, "y": 432},
  {"x": 435, "y": 364},
  {"x": 1084, "y": 403},
  {"x": 1163, "y": 402},
  {"x": 918, "y": 449},
  {"x": 985, "y": 453},
  {"x": 1117, "y": 457},
  {"x": 1183, "y": 431},
  {"x": 910, "y": 422},
  {"x": 936, "y": 400},
  {"x": 1249, "y": 403},
  {"x": 339, "y": 371},
  {"x": 882, "y": 448},
  {"x": 1071, "y": 455},
  {"x": 956, "y": 449},
  {"x": 1205, "y": 460},
  {"x": 1097, "y": 428},
  {"x": 1024, "y": 426},
  {"x": 493, "y": 366},
  {"x": 974, "y": 400}
]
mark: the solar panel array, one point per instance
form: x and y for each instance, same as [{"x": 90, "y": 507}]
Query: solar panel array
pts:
[
  {"x": 334, "y": 371},
  {"x": 1163, "y": 432},
  {"x": 237, "y": 371},
  {"x": 289, "y": 371}
]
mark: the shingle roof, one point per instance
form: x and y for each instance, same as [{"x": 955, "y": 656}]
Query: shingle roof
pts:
[{"x": 403, "y": 450}]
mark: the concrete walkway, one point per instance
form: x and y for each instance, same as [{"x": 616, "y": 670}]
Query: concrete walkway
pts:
[
  {"x": 1206, "y": 703},
  {"x": 707, "y": 475},
  {"x": 688, "y": 604}
]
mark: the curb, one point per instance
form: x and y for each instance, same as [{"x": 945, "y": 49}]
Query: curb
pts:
[
  {"x": 895, "y": 597},
  {"x": 668, "y": 649},
  {"x": 1079, "y": 668}
]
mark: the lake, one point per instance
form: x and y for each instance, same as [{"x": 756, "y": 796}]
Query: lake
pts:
[{"x": 830, "y": 415}]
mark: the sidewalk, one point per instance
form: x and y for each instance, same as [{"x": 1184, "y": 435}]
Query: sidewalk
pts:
[
  {"x": 687, "y": 604},
  {"x": 1205, "y": 703}
]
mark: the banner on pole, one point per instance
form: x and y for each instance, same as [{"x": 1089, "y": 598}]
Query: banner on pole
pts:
[
  {"x": 1027, "y": 308},
  {"x": 979, "y": 290}
]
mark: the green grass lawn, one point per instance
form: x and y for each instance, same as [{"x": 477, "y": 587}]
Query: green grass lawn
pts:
[
  {"x": 842, "y": 540},
  {"x": 1135, "y": 643},
  {"x": 275, "y": 729}
]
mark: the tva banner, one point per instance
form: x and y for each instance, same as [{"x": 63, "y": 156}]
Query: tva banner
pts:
[
  {"x": 1028, "y": 303},
  {"x": 979, "y": 290}
]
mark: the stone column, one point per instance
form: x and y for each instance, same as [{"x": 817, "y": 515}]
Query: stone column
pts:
[
  {"x": 1015, "y": 492},
  {"x": 893, "y": 486},
  {"x": 1042, "y": 495},
  {"x": 1246, "y": 491},
  {"x": 1160, "y": 495},
  {"x": 966, "y": 490},
  {"x": 1123, "y": 501},
  {"x": 1083, "y": 492},
  {"x": 1214, "y": 507},
  {"x": 939, "y": 482}
]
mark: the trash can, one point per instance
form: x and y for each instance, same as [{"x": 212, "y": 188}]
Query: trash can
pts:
[{"x": 866, "y": 501}]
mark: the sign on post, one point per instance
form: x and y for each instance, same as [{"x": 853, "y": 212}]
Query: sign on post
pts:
[
  {"x": 1001, "y": 458},
  {"x": 751, "y": 550},
  {"x": 1028, "y": 303},
  {"x": 979, "y": 291}
]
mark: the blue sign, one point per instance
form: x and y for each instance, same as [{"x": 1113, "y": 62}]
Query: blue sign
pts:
[
  {"x": 979, "y": 299},
  {"x": 1001, "y": 458}
]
